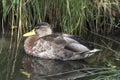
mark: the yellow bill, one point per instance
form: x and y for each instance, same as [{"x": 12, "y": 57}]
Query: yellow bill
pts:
[{"x": 32, "y": 32}]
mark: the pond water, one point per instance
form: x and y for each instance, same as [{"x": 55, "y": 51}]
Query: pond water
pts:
[{"x": 16, "y": 65}]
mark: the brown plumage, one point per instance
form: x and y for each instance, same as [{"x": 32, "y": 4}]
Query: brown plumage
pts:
[{"x": 48, "y": 45}]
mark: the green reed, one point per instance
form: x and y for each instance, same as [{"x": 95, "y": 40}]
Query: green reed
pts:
[{"x": 67, "y": 16}]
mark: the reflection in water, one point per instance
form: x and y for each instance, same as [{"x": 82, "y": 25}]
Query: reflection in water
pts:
[{"x": 51, "y": 68}]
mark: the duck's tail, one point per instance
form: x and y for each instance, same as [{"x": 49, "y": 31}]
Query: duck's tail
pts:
[
  {"x": 94, "y": 50},
  {"x": 90, "y": 52},
  {"x": 82, "y": 55}
]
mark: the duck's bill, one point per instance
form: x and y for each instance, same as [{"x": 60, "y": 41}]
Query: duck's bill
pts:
[{"x": 32, "y": 32}]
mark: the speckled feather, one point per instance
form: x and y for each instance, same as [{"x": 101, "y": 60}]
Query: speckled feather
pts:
[
  {"x": 54, "y": 47},
  {"x": 48, "y": 45}
]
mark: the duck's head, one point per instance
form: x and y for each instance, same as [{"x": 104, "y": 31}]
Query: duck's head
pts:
[{"x": 40, "y": 29}]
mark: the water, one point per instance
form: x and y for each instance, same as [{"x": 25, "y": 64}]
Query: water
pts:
[{"x": 16, "y": 65}]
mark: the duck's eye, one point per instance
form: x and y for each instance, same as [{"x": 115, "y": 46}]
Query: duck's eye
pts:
[
  {"x": 36, "y": 27},
  {"x": 43, "y": 29}
]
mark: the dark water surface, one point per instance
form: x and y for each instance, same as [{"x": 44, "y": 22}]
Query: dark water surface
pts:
[{"x": 16, "y": 65}]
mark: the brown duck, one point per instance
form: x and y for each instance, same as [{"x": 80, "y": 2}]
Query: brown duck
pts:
[{"x": 43, "y": 43}]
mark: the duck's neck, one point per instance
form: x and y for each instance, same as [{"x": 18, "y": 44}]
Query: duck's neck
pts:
[{"x": 29, "y": 43}]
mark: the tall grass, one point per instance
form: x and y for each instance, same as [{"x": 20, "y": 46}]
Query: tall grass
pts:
[{"x": 70, "y": 16}]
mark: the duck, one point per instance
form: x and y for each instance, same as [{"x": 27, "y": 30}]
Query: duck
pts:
[{"x": 42, "y": 42}]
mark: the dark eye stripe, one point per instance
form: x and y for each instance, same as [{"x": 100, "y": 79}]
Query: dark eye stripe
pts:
[
  {"x": 42, "y": 24},
  {"x": 36, "y": 27}
]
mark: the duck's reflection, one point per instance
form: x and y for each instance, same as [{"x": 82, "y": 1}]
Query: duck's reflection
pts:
[{"x": 50, "y": 69}]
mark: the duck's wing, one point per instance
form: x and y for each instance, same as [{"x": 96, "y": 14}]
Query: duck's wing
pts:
[
  {"x": 49, "y": 46},
  {"x": 75, "y": 45},
  {"x": 54, "y": 47},
  {"x": 56, "y": 39},
  {"x": 66, "y": 41},
  {"x": 51, "y": 40},
  {"x": 80, "y": 40}
]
